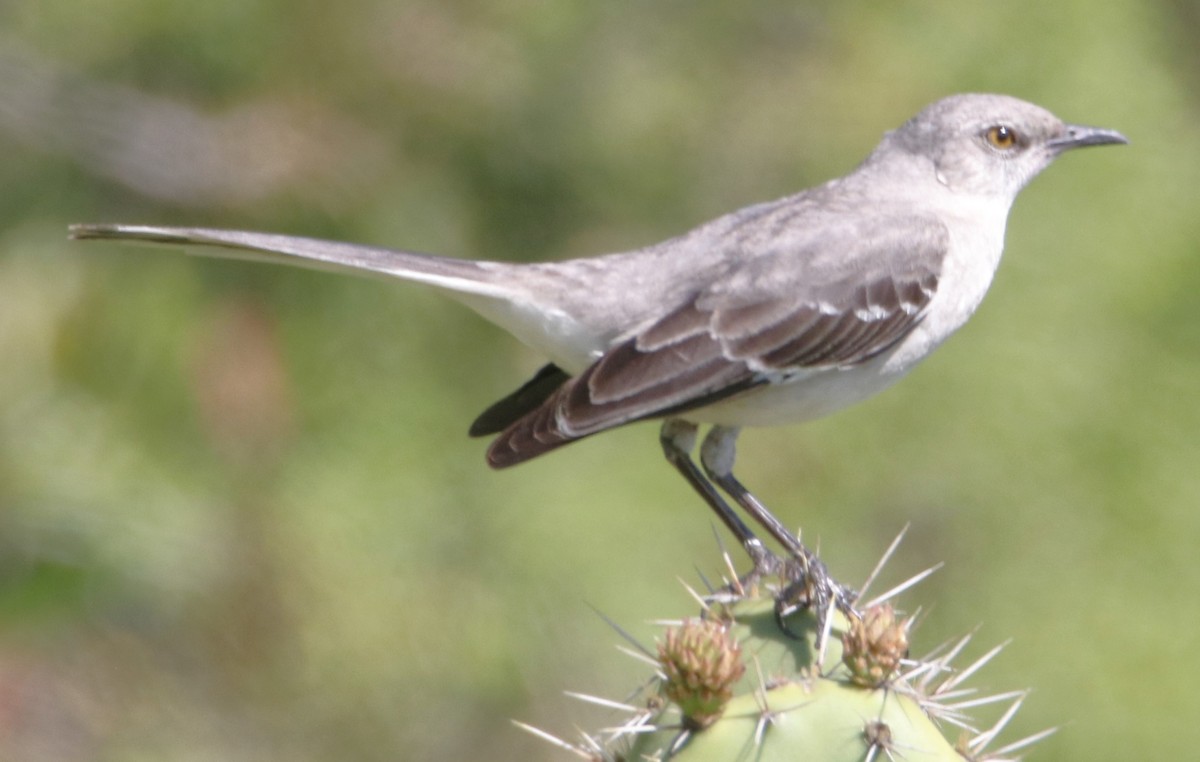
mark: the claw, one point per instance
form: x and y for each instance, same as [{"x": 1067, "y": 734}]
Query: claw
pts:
[{"x": 809, "y": 585}]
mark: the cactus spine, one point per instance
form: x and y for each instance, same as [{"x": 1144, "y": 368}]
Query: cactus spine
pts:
[{"x": 744, "y": 681}]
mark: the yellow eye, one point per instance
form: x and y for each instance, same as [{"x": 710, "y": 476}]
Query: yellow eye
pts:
[{"x": 1002, "y": 137}]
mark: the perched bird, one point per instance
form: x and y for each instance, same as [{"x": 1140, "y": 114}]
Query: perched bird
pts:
[{"x": 779, "y": 312}]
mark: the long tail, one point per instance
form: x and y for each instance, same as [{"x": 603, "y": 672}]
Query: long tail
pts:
[{"x": 459, "y": 275}]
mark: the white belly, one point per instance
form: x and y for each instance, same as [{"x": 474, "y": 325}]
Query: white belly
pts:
[{"x": 802, "y": 398}]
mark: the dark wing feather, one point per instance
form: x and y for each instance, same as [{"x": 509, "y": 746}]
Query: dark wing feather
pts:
[
  {"x": 507, "y": 411},
  {"x": 725, "y": 341}
]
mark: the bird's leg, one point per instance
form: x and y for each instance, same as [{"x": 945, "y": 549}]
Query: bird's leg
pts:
[
  {"x": 717, "y": 455},
  {"x": 678, "y": 439},
  {"x": 810, "y": 580}
]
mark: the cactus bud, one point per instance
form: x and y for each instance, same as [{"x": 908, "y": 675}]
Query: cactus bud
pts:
[
  {"x": 874, "y": 644},
  {"x": 701, "y": 662}
]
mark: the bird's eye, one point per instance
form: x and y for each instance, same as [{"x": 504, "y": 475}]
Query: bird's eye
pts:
[{"x": 1002, "y": 137}]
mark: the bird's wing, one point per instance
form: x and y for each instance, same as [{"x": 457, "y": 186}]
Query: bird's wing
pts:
[
  {"x": 784, "y": 314},
  {"x": 532, "y": 393}
]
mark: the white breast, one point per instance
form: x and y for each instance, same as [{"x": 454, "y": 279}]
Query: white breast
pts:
[{"x": 975, "y": 250}]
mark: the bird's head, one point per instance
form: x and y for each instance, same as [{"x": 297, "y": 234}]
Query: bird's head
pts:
[{"x": 990, "y": 145}]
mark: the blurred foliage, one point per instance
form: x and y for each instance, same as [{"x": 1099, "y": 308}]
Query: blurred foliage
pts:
[{"x": 239, "y": 516}]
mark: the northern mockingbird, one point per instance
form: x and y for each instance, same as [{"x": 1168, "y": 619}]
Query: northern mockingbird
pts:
[{"x": 780, "y": 312}]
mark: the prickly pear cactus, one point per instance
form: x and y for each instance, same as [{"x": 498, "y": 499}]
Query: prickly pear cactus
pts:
[
  {"x": 739, "y": 682},
  {"x": 778, "y": 704}
]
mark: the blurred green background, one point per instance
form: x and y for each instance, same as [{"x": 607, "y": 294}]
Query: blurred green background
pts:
[{"x": 239, "y": 515}]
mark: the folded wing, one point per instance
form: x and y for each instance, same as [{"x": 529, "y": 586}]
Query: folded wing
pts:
[{"x": 728, "y": 339}]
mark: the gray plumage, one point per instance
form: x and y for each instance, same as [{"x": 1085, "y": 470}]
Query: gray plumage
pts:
[{"x": 779, "y": 312}]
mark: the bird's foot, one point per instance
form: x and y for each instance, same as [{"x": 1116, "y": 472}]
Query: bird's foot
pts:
[
  {"x": 765, "y": 566},
  {"x": 765, "y": 562},
  {"x": 809, "y": 585}
]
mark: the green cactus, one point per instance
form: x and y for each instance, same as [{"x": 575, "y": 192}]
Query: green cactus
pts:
[{"x": 743, "y": 683}]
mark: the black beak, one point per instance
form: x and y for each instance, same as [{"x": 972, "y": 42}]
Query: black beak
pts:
[{"x": 1078, "y": 136}]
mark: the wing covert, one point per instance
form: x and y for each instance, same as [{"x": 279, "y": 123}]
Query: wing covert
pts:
[{"x": 724, "y": 341}]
